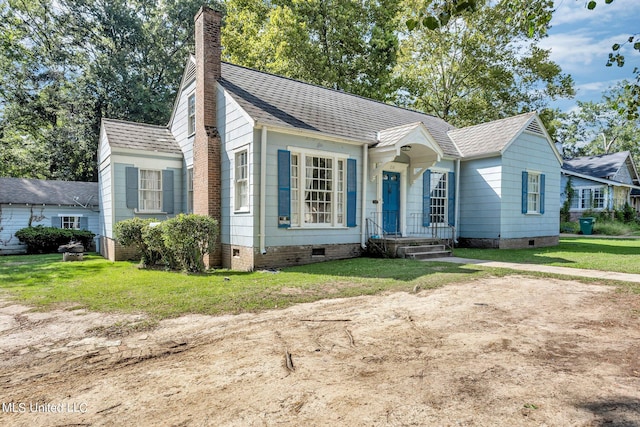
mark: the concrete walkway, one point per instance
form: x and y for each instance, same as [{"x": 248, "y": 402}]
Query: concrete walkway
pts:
[{"x": 579, "y": 272}]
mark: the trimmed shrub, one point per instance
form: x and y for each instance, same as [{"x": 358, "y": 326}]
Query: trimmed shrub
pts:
[
  {"x": 153, "y": 236},
  {"x": 129, "y": 232},
  {"x": 44, "y": 240},
  {"x": 190, "y": 238}
]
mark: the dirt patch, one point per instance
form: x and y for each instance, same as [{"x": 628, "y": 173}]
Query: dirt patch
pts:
[{"x": 500, "y": 351}]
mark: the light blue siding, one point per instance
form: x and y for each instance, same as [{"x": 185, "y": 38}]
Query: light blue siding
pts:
[
  {"x": 532, "y": 153},
  {"x": 16, "y": 217},
  {"x": 179, "y": 126},
  {"x": 305, "y": 236},
  {"x": 237, "y": 134},
  {"x": 120, "y": 209},
  {"x": 106, "y": 201},
  {"x": 481, "y": 198}
]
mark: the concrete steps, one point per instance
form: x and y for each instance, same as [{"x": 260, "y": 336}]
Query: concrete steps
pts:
[{"x": 423, "y": 251}]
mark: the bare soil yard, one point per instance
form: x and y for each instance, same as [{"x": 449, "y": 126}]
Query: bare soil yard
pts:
[{"x": 502, "y": 351}]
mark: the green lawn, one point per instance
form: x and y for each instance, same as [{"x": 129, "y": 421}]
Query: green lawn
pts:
[
  {"x": 621, "y": 255},
  {"x": 101, "y": 285}
]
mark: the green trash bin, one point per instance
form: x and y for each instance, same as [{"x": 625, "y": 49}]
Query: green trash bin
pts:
[{"x": 586, "y": 225}]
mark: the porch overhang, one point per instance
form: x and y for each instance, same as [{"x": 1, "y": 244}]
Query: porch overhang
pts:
[{"x": 412, "y": 140}]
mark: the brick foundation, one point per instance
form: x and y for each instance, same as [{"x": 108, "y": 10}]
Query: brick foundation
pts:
[
  {"x": 114, "y": 251},
  {"x": 284, "y": 256},
  {"x": 521, "y": 243},
  {"x": 239, "y": 258}
]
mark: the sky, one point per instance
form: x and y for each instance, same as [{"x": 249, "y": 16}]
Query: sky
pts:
[{"x": 580, "y": 41}]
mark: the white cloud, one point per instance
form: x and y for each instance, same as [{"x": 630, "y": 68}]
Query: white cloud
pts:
[{"x": 575, "y": 11}]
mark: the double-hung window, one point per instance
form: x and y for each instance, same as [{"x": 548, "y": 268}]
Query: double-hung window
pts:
[
  {"x": 190, "y": 190},
  {"x": 317, "y": 190},
  {"x": 242, "y": 181},
  {"x": 589, "y": 198},
  {"x": 439, "y": 198},
  {"x": 70, "y": 222},
  {"x": 533, "y": 194},
  {"x": 150, "y": 190},
  {"x": 191, "y": 110}
]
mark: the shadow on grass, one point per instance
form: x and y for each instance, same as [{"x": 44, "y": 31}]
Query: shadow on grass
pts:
[
  {"x": 30, "y": 270},
  {"x": 621, "y": 411}
]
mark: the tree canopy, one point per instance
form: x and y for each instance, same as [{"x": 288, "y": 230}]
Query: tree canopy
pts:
[
  {"x": 65, "y": 64},
  {"x": 344, "y": 45},
  {"x": 478, "y": 66}
]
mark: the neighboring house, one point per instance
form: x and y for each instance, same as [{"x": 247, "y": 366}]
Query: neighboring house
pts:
[
  {"x": 32, "y": 202},
  {"x": 297, "y": 173},
  {"x": 600, "y": 183}
]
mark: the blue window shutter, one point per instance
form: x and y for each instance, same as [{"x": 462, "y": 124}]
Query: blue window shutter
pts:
[
  {"x": 451, "y": 198},
  {"x": 167, "y": 191},
  {"x": 56, "y": 222},
  {"x": 542, "y": 193},
  {"x": 352, "y": 187},
  {"x": 426, "y": 198},
  {"x": 284, "y": 189},
  {"x": 84, "y": 223},
  {"x": 131, "y": 178},
  {"x": 525, "y": 191}
]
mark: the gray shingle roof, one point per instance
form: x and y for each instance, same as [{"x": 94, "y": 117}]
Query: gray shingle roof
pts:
[
  {"x": 139, "y": 136},
  {"x": 283, "y": 102},
  {"x": 604, "y": 166},
  {"x": 46, "y": 192},
  {"x": 490, "y": 137}
]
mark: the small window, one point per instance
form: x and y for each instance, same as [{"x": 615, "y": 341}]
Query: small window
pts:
[
  {"x": 242, "y": 181},
  {"x": 192, "y": 114},
  {"x": 190, "y": 190},
  {"x": 70, "y": 222},
  {"x": 150, "y": 190}
]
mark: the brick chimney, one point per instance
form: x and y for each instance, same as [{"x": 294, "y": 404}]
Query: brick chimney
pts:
[{"x": 207, "y": 178}]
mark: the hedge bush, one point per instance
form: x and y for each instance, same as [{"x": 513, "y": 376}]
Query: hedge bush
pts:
[
  {"x": 44, "y": 240},
  {"x": 181, "y": 242},
  {"x": 130, "y": 233},
  {"x": 189, "y": 238}
]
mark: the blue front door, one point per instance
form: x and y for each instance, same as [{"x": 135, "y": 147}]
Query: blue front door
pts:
[{"x": 391, "y": 202}]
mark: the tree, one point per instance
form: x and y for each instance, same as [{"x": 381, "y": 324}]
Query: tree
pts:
[
  {"x": 477, "y": 67},
  {"x": 345, "y": 45},
  {"x": 65, "y": 64},
  {"x": 602, "y": 127}
]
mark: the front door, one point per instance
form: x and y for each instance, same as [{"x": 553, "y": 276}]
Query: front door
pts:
[{"x": 391, "y": 202}]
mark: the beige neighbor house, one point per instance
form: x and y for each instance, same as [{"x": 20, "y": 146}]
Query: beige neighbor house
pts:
[{"x": 296, "y": 173}]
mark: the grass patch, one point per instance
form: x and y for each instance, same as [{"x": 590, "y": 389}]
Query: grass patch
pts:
[
  {"x": 100, "y": 285},
  {"x": 620, "y": 255}
]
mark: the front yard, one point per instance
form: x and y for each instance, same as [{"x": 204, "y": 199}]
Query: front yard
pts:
[
  {"x": 99, "y": 285},
  {"x": 110, "y": 344}
]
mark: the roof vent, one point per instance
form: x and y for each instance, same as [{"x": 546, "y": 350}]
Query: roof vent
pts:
[
  {"x": 534, "y": 127},
  {"x": 190, "y": 74}
]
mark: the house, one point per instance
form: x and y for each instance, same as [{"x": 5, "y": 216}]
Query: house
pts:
[
  {"x": 32, "y": 202},
  {"x": 600, "y": 183},
  {"x": 296, "y": 173}
]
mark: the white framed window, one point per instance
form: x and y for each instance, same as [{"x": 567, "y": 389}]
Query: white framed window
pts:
[
  {"x": 191, "y": 114},
  {"x": 318, "y": 182},
  {"x": 242, "y": 181},
  {"x": 70, "y": 222},
  {"x": 190, "y": 190},
  {"x": 533, "y": 193},
  {"x": 589, "y": 198},
  {"x": 150, "y": 190},
  {"x": 439, "y": 198}
]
